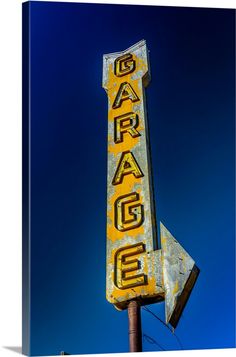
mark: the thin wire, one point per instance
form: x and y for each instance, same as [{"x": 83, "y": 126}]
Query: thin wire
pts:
[
  {"x": 179, "y": 341},
  {"x": 159, "y": 319},
  {"x": 152, "y": 341}
]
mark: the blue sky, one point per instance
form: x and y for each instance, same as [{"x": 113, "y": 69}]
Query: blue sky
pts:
[{"x": 190, "y": 103}]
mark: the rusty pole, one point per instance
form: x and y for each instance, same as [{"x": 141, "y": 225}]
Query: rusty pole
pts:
[{"x": 135, "y": 327}]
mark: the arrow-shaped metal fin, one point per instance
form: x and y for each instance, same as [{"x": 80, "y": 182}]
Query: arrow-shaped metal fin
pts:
[{"x": 179, "y": 275}]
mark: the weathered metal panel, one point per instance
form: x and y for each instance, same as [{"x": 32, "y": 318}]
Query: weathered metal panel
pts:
[
  {"x": 179, "y": 275},
  {"x": 135, "y": 269},
  {"x": 132, "y": 266}
]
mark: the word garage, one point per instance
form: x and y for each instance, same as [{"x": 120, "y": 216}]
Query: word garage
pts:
[{"x": 131, "y": 228}]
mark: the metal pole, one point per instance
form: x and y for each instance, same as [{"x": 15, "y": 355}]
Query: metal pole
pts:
[{"x": 135, "y": 328}]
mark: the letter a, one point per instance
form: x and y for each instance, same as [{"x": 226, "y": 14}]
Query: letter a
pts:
[
  {"x": 125, "y": 92},
  {"x": 127, "y": 165}
]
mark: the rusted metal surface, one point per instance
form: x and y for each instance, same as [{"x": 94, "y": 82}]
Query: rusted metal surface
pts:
[
  {"x": 135, "y": 327},
  {"x": 131, "y": 227},
  {"x": 135, "y": 268},
  {"x": 179, "y": 276}
]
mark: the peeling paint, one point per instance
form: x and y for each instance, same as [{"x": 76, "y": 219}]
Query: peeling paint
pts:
[
  {"x": 145, "y": 233},
  {"x": 134, "y": 270}
]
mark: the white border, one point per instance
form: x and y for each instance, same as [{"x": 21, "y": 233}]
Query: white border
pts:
[{"x": 10, "y": 170}]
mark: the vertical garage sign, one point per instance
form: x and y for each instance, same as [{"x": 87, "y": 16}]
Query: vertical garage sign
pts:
[
  {"x": 131, "y": 228},
  {"x": 136, "y": 269}
]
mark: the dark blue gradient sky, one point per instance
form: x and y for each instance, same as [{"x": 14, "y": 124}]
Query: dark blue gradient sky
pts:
[{"x": 190, "y": 103}]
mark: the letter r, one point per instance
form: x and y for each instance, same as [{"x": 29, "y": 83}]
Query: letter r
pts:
[{"x": 126, "y": 123}]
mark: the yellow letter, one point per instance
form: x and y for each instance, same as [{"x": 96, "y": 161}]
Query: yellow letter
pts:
[
  {"x": 127, "y": 165},
  {"x": 126, "y": 123},
  {"x": 125, "y": 92},
  {"x": 124, "y": 209},
  {"x": 126, "y": 265},
  {"x": 124, "y": 65}
]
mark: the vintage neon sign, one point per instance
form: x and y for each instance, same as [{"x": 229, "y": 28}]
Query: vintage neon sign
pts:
[
  {"x": 131, "y": 229},
  {"x": 135, "y": 268}
]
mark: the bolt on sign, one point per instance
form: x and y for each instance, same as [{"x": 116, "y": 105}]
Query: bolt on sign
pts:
[{"x": 135, "y": 268}]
